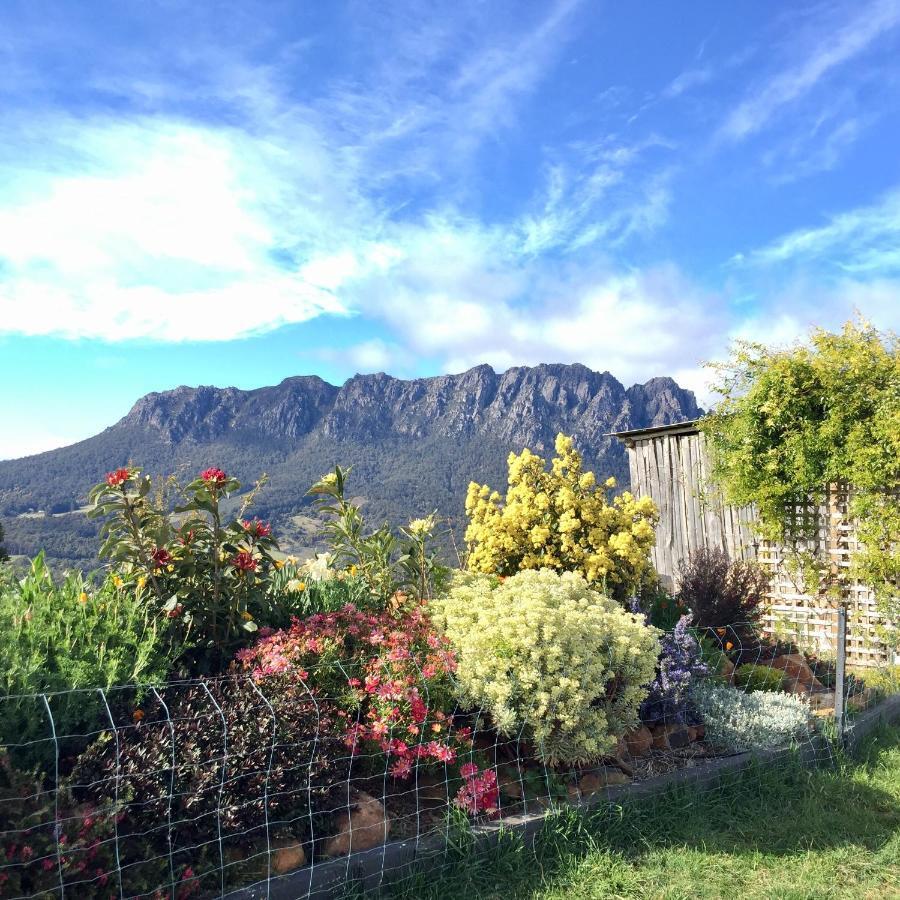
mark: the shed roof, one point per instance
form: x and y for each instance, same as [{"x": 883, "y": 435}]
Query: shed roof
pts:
[{"x": 689, "y": 426}]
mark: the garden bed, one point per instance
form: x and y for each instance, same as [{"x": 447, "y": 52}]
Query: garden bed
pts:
[{"x": 695, "y": 768}]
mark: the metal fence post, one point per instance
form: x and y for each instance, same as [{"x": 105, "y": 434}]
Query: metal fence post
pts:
[{"x": 839, "y": 718}]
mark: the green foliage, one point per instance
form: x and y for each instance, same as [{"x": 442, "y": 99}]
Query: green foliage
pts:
[
  {"x": 386, "y": 562},
  {"x": 296, "y": 589},
  {"x": 793, "y": 421},
  {"x": 661, "y": 609},
  {"x": 206, "y": 572},
  {"x": 4, "y": 556},
  {"x": 722, "y": 593},
  {"x": 547, "y": 655},
  {"x": 64, "y": 635},
  {"x": 752, "y": 677},
  {"x": 885, "y": 680}
]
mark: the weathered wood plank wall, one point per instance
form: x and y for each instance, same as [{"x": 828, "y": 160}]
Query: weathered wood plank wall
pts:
[{"x": 672, "y": 467}]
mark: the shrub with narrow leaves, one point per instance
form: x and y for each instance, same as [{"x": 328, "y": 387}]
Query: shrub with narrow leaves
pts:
[
  {"x": 550, "y": 658},
  {"x": 738, "y": 721},
  {"x": 60, "y": 634},
  {"x": 680, "y": 662},
  {"x": 752, "y": 677}
]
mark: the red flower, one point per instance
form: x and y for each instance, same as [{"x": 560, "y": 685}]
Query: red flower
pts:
[
  {"x": 214, "y": 477},
  {"x": 244, "y": 561},
  {"x": 161, "y": 556},
  {"x": 114, "y": 479},
  {"x": 256, "y": 527},
  {"x": 175, "y": 611}
]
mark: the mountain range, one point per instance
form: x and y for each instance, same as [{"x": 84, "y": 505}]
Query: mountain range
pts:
[{"x": 414, "y": 445}]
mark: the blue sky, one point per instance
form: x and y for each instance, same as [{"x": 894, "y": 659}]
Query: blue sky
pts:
[{"x": 232, "y": 193}]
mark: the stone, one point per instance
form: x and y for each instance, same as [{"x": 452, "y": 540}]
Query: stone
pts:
[
  {"x": 510, "y": 782},
  {"x": 606, "y": 776},
  {"x": 670, "y": 737},
  {"x": 823, "y": 701},
  {"x": 612, "y": 776},
  {"x": 638, "y": 742},
  {"x": 797, "y": 673},
  {"x": 287, "y": 855},
  {"x": 861, "y": 700},
  {"x": 361, "y": 828},
  {"x": 431, "y": 788}
]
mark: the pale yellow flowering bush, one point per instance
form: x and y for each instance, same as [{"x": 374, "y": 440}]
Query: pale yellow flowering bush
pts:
[
  {"x": 549, "y": 658},
  {"x": 560, "y": 520}
]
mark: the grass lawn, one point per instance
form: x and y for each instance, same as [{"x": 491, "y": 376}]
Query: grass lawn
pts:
[{"x": 784, "y": 832}]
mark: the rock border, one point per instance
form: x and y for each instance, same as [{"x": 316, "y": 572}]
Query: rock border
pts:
[{"x": 325, "y": 880}]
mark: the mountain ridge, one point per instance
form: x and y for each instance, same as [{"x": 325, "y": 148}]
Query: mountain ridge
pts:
[{"x": 414, "y": 443}]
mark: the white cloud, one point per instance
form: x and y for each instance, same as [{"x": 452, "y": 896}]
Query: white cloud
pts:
[
  {"x": 690, "y": 78},
  {"x": 827, "y": 47},
  {"x": 157, "y": 230},
  {"x": 18, "y": 442},
  {"x": 862, "y": 240}
]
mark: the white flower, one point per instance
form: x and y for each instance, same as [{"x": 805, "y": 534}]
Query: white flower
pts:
[{"x": 318, "y": 568}]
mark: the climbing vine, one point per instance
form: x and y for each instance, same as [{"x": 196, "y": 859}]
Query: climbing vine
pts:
[{"x": 793, "y": 421}]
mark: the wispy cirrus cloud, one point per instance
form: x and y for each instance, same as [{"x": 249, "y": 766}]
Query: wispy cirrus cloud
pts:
[
  {"x": 832, "y": 40},
  {"x": 864, "y": 241}
]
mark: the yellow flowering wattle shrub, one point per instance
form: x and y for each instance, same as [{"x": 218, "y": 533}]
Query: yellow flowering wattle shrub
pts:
[
  {"x": 560, "y": 520},
  {"x": 549, "y": 658}
]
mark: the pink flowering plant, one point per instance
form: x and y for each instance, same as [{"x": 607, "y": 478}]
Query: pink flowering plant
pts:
[
  {"x": 392, "y": 677},
  {"x": 204, "y": 572}
]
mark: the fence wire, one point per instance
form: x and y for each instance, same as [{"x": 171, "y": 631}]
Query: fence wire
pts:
[{"x": 245, "y": 786}]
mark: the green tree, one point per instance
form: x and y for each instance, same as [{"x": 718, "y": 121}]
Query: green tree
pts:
[
  {"x": 4, "y": 556},
  {"x": 794, "y": 420}
]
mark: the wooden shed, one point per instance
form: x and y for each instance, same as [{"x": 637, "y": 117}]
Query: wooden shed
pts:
[{"x": 670, "y": 464}]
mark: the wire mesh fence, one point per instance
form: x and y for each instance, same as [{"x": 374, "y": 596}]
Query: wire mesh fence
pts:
[{"x": 264, "y": 785}]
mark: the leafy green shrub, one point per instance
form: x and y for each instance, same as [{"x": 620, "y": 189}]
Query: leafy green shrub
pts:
[
  {"x": 661, "y": 609},
  {"x": 386, "y": 562},
  {"x": 752, "y": 677},
  {"x": 64, "y": 635},
  {"x": 739, "y": 721},
  {"x": 246, "y": 748},
  {"x": 304, "y": 590},
  {"x": 206, "y": 572},
  {"x": 884, "y": 680},
  {"x": 793, "y": 420},
  {"x": 545, "y": 653},
  {"x": 722, "y": 593}
]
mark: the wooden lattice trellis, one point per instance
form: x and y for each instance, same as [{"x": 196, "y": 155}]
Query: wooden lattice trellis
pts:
[{"x": 671, "y": 466}]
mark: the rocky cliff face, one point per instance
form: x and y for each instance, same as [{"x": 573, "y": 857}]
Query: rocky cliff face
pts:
[
  {"x": 522, "y": 406},
  {"x": 288, "y": 410}
]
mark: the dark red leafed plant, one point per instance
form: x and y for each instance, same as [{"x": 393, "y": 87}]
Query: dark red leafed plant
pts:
[{"x": 722, "y": 593}]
